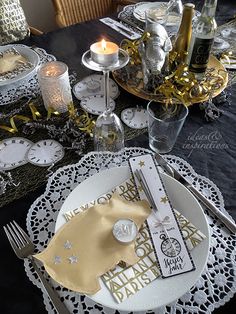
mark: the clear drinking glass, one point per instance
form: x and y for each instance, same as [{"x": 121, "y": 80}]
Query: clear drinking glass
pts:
[
  {"x": 170, "y": 17},
  {"x": 173, "y": 16},
  {"x": 164, "y": 124}
]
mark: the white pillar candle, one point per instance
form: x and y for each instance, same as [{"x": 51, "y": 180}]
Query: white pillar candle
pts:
[
  {"x": 104, "y": 52},
  {"x": 55, "y": 85}
]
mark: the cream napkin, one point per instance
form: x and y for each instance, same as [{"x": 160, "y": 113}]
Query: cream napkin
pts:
[{"x": 84, "y": 249}]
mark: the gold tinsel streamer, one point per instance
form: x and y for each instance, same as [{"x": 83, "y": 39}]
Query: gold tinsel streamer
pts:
[
  {"x": 83, "y": 121},
  {"x": 181, "y": 85},
  {"x": 131, "y": 47}
]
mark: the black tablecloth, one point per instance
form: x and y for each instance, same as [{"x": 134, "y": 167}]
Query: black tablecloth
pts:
[{"x": 209, "y": 147}]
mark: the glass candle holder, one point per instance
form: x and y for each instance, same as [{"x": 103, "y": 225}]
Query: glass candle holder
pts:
[{"x": 55, "y": 85}]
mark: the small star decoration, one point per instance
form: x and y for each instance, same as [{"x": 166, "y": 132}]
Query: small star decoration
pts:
[
  {"x": 141, "y": 163},
  {"x": 57, "y": 259},
  {"x": 73, "y": 259},
  {"x": 67, "y": 245},
  {"x": 164, "y": 199}
]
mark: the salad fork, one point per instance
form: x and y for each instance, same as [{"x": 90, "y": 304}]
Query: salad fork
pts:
[{"x": 24, "y": 248}]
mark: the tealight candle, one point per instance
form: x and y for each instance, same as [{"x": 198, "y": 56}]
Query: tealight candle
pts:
[
  {"x": 104, "y": 52},
  {"x": 125, "y": 230},
  {"x": 55, "y": 85}
]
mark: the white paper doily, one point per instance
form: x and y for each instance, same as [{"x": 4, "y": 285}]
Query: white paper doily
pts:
[
  {"x": 25, "y": 88},
  {"x": 214, "y": 288}
]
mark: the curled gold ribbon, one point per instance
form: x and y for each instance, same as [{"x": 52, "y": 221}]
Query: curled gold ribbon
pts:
[
  {"x": 85, "y": 123},
  {"x": 34, "y": 111},
  {"x": 13, "y": 128},
  {"x": 182, "y": 85},
  {"x": 132, "y": 48}
]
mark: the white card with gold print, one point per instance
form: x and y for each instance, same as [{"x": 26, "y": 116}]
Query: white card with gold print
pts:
[{"x": 170, "y": 247}]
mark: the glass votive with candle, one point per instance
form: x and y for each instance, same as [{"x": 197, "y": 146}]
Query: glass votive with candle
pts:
[
  {"x": 55, "y": 85},
  {"x": 104, "y": 52}
]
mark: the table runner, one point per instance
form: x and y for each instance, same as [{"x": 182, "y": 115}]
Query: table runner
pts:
[
  {"x": 214, "y": 288},
  {"x": 29, "y": 176}
]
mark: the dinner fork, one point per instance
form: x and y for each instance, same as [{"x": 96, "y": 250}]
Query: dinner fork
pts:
[{"x": 24, "y": 248}]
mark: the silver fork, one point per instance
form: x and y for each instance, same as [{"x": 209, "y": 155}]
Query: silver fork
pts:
[{"x": 24, "y": 248}]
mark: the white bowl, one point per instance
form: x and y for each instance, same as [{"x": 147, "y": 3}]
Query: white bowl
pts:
[{"x": 30, "y": 55}]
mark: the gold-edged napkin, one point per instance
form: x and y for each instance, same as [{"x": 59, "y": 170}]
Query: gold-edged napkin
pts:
[
  {"x": 124, "y": 281},
  {"x": 84, "y": 249}
]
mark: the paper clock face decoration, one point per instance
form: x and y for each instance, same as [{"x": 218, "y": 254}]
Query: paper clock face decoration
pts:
[
  {"x": 94, "y": 85},
  {"x": 13, "y": 152},
  {"x": 170, "y": 247},
  {"x": 96, "y": 104},
  {"x": 135, "y": 118},
  {"x": 45, "y": 153}
]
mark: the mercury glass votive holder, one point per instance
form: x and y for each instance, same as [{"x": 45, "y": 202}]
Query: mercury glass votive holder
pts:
[{"x": 55, "y": 87}]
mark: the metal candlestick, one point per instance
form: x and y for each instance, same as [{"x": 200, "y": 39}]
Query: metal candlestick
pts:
[{"x": 108, "y": 130}]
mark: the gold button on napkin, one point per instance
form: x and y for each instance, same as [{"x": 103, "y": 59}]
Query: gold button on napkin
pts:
[{"x": 85, "y": 248}]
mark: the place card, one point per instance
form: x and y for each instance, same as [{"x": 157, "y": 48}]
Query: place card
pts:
[{"x": 170, "y": 248}]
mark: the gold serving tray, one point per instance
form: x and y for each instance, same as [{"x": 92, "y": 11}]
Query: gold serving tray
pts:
[{"x": 214, "y": 64}]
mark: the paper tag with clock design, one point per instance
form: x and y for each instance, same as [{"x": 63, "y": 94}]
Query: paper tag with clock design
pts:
[
  {"x": 170, "y": 247},
  {"x": 45, "y": 153}
]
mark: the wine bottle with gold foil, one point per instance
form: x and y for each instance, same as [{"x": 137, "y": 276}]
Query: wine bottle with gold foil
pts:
[
  {"x": 203, "y": 34},
  {"x": 181, "y": 45}
]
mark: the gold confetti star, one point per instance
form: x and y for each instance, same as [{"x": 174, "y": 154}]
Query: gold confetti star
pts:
[
  {"x": 164, "y": 199},
  {"x": 141, "y": 163},
  {"x": 140, "y": 189}
]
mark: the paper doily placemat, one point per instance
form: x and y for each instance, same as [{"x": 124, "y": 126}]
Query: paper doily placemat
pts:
[{"x": 214, "y": 288}]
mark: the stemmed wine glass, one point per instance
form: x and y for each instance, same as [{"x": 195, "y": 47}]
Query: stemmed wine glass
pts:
[{"x": 108, "y": 131}]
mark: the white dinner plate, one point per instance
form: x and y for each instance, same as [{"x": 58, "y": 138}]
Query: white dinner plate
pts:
[
  {"x": 161, "y": 291},
  {"x": 29, "y": 55}
]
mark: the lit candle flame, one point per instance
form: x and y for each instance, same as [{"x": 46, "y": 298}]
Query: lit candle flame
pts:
[{"x": 104, "y": 44}]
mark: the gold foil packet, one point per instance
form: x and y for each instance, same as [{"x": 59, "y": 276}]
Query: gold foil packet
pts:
[{"x": 84, "y": 248}]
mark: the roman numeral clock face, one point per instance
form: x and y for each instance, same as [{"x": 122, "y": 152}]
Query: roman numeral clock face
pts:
[{"x": 45, "y": 153}]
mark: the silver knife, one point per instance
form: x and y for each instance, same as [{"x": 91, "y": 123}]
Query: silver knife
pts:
[
  {"x": 222, "y": 217},
  {"x": 130, "y": 33},
  {"x": 131, "y": 24}
]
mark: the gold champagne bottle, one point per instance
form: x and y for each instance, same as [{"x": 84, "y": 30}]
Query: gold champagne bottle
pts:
[
  {"x": 181, "y": 44},
  {"x": 202, "y": 39}
]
